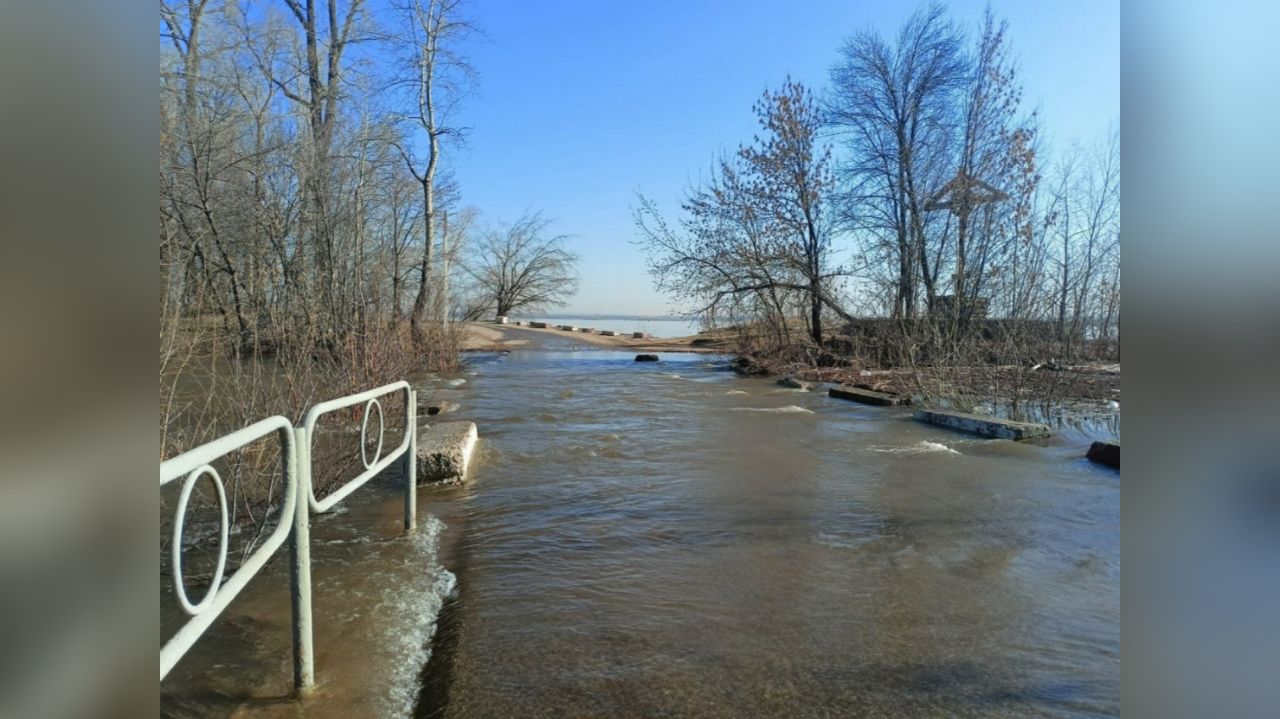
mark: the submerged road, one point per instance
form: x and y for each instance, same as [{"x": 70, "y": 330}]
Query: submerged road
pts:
[{"x": 668, "y": 539}]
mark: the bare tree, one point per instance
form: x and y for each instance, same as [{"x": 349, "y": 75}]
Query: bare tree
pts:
[
  {"x": 894, "y": 105},
  {"x": 758, "y": 235},
  {"x": 996, "y": 173},
  {"x": 287, "y": 229},
  {"x": 455, "y": 228},
  {"x": 1101, "y": 233},
  {"x": 435, "y": 77},
  {"x": 1085, "y": 223},
  {"x": 521, "y": 267},
  {"x": 322, "y": 70},
  {"x": 789, "y": 179}
]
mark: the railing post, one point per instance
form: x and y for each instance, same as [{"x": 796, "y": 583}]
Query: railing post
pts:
[
  {"x": 411, "y": 466},
  {"x": 304, "y": 670}
]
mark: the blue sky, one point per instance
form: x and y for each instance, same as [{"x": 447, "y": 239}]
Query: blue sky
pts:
[{"x": 582, "y": 104}]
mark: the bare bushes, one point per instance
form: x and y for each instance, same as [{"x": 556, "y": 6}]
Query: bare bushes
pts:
[
  {"x": 295, "y": 249},
  {"x": 208, "y": 388},
  {"x": 1006, "y": 366},
  {"x": 1001, "y": 366}
]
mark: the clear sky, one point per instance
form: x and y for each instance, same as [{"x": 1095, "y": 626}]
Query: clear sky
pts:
[{"x": 583, "y": 103}]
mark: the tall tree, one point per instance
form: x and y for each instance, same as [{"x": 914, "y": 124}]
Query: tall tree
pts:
[
  {"x": 995, "y": 176},
  {"x": 789, "y": 178},
  {"x": 758, "y": 235},
  {"x": 893, "y": 104},
  {"x": 323, "y": 70},
  {"x": 1085, "y": 223},
  {"x": 435, "y": 76}
]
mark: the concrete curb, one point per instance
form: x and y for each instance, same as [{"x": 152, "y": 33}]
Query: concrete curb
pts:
[
  {"x": 983, "y": 424},
  {"x": 868, "y": 396},
  {"x": 444, "y": 451}
]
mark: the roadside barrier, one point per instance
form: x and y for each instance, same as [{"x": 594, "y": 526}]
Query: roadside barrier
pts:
[{"x": 294, "y": 518}]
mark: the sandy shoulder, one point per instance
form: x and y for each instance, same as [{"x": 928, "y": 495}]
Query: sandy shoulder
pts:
[{"x": 479, "y": 337}]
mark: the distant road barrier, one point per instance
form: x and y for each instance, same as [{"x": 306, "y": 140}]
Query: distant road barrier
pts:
[{"x": 294, "y": 517}]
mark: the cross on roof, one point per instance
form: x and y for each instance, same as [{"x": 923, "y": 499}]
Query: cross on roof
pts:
[{"x": 963, "y": 193}]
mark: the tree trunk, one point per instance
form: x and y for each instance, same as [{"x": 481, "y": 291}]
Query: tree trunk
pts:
[
  {"x": 1062, "y": 298},
  {"x": 417, "y": 319},
  {"x": 444, "y": 274},
  {"x": 815, "y": 312}
]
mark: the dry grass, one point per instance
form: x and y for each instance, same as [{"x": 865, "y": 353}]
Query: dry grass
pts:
[{"x": 207, "y": 391}]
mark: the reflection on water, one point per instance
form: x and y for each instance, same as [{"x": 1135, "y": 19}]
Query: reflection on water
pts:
[{"x": 671, "y": 540}]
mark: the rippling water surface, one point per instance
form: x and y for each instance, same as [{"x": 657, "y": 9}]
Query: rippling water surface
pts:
[{"x": 668, "y": 539}]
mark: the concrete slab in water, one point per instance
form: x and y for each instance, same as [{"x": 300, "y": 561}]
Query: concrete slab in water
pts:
[
  {"x": 444, "y": 451},
  {"x": 868, "y": 396},
  {"x": 982, "y": 424},
  {"x": 1107, "y": 453}
]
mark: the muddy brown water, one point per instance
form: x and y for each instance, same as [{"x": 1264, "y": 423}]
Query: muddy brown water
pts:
[{"x": 668, "y": 539}]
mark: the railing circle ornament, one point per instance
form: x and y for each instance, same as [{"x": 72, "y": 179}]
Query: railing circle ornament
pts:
[
  {"x": 364, "y": 429},
  {"x": 178, "y": 523}
]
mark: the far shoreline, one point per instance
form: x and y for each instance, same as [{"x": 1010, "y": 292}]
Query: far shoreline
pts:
[{"x": 491, "y": 337}]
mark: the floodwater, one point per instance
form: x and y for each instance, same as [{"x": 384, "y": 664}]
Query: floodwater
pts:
[
  {"x": 669, "y": 539},
  {"x": 375, "y": 595},
  {"x": 672, "y": 540}
]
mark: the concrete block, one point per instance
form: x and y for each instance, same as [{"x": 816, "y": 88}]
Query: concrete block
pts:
[
  {"x": 868, "y": 396},
  {"x": 568, "y": 328},
  {"x": 646, "y": 358},
  {"x": 500, "y": 319},
  {"x": 444, "y": 451},
  {"x": 638, "y": 335},
  {"x": 1107, "y": 453},
  {"x": 588, "y": 330},
  {"x": 538, "y": 325},
  {"x": 984, "y": 425},
  {"x": 609, "y": 333}
]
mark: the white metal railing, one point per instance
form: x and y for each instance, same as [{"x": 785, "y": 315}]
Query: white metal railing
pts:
[
  {"x": 294, "y": 518},
  {"x": 193, "y": 465},
  {"x": 378, "y": 463}
]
